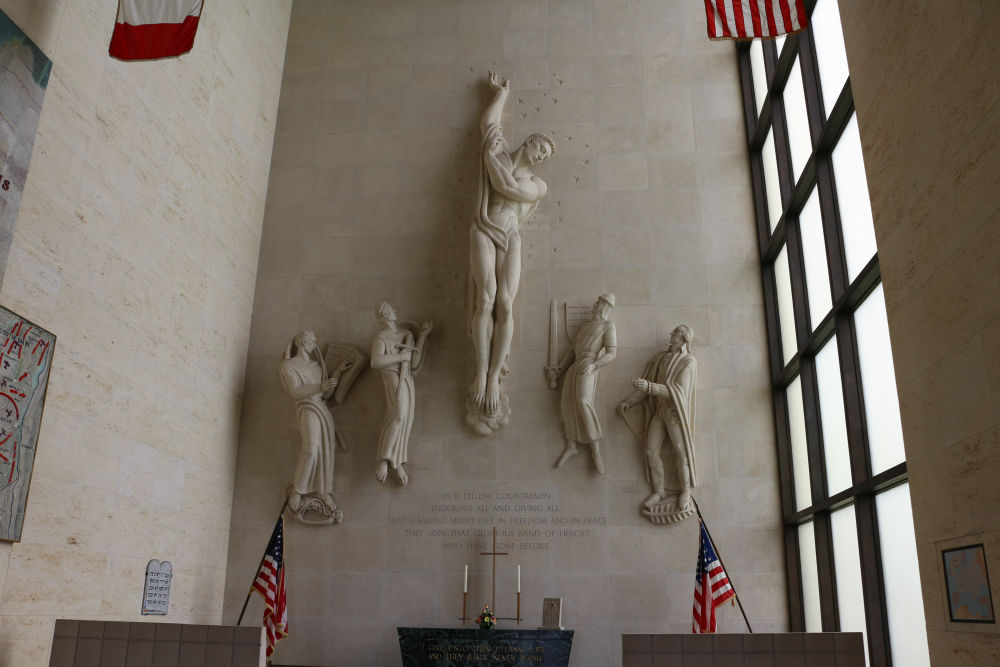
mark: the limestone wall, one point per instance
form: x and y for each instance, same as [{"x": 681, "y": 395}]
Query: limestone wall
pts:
[
  {"x": 928, "y": 105},
  {"x": 137, "y": 246},
  {"x": 371, "y": 196}
]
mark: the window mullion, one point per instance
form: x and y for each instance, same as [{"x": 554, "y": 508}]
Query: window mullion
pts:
[
  {"x": 836, "y": 260},
  {"x": 811, "y": 85},
  {"x": 872, "y": 581},
  {"x": 784, "y": 444},
  {"x": 814, "y": 429},
  {"x": 793, "y": 565},
  {"x": 854, "y": 405},
  {"x": 827, "y": 574},
  {"x": 797, "y": 272}
]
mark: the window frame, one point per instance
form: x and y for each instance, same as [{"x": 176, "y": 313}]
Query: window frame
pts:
[{"x": 839, "y": 321}]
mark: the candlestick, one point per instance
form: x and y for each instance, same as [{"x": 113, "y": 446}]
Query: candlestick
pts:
[
  {"x": 518, "y": 578},
  {"x": 465, "y": 586}
]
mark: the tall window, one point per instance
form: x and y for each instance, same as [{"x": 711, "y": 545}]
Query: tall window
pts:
[{"x": 845, "y": 496}]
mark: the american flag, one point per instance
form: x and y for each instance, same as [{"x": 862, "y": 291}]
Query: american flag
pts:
[
  {"x": 746, "y": 19},
  {"x": 270, "y": 583},
  {"x": 711, "y": 586}
]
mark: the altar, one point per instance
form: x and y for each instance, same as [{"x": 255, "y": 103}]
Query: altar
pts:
[{"x": 467, "y": 647}]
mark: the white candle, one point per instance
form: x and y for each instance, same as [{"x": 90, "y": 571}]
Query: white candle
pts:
[
  {"x": 465, "y": 586},
  {"x": 518, "y": 578}
]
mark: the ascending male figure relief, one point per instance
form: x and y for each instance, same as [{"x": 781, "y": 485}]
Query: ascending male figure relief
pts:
[
  {"x": 594, "y": 347},
  {"x": 509, "y": 192},
  {"x": 397, "y": 357},
  {"x": 666, "y": 391}
]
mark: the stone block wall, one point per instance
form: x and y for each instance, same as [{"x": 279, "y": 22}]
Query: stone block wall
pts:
[
  {"x": 372, "y": 192},
  {"x": 137, "y": 244}
]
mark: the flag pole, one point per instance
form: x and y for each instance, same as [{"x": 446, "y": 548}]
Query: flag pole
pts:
[
  {"x": 250, "y": 592},
  {"x": 718, "y": 555}
]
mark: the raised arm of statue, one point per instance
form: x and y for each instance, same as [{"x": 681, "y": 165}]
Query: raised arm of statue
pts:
[{"x": 494, "y": 110}]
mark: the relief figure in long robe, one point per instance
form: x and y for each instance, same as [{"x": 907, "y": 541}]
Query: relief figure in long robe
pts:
[
  {"x": 304, "y": 376},
  {"x": 594, "y": 346},
  {"x": 397, "y": 355},
  {"x": 666, "y": 392}
]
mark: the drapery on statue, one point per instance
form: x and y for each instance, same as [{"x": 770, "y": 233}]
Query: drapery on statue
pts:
[
  {"x": 304, "y": 376},
  {"x": 509, "y": 192},
  {"x": 594, "y": 347},
  {"x": 666, "y": 391},
  {"x": 397, "y": 357}
]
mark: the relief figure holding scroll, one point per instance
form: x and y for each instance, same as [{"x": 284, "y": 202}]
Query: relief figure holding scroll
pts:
[
  {"x": 594, "y": 347},
  {"x": 509, "y": 192},
  {"x": 304, "y": 376}
]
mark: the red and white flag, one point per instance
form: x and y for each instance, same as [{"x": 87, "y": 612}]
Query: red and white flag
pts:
[
  {"x": 151, "y": 29},
  {"x": 711, "y": 585},
  {"x": 270, "y": 583},
  {"x": 746, "y": 19}
]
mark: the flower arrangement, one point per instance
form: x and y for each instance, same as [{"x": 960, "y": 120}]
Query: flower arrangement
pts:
[{"x": 486, "y": 618}]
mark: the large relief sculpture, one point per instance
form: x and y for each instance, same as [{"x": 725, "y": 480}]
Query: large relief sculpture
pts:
[
  {"x": 305, "y": 376},
  {"x": 594, "y": 347},
  {"x": 509, "y": 192},
  {"x": 397, "y": 354},
  {"x": 666, "y": 392}
]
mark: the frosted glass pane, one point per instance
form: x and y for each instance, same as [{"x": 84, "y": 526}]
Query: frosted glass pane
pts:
[
  {"x": 830, "y": 52},
  {"x": 799, "y": 140},
  {"x": 852, "y": 194},
  {"x": 903, "y": 601},
  {"x": 810, "y": 578},
  {"x": 758, "y": 73},
  {"x": 772, "y": 186},
  {"x": 878, "y": 381},
  {"x": 800, "y": 453},
  {"x": 786, "y": 312},
  {"x": 831, "y": 410},
  {"x": 814, "y": 254},
  {"x": 847, "y": 564}
]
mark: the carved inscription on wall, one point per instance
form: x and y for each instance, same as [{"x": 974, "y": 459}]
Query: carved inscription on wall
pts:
[
  {"x": 525, "y": 521},
  {"x": 156, "y": 599}
]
